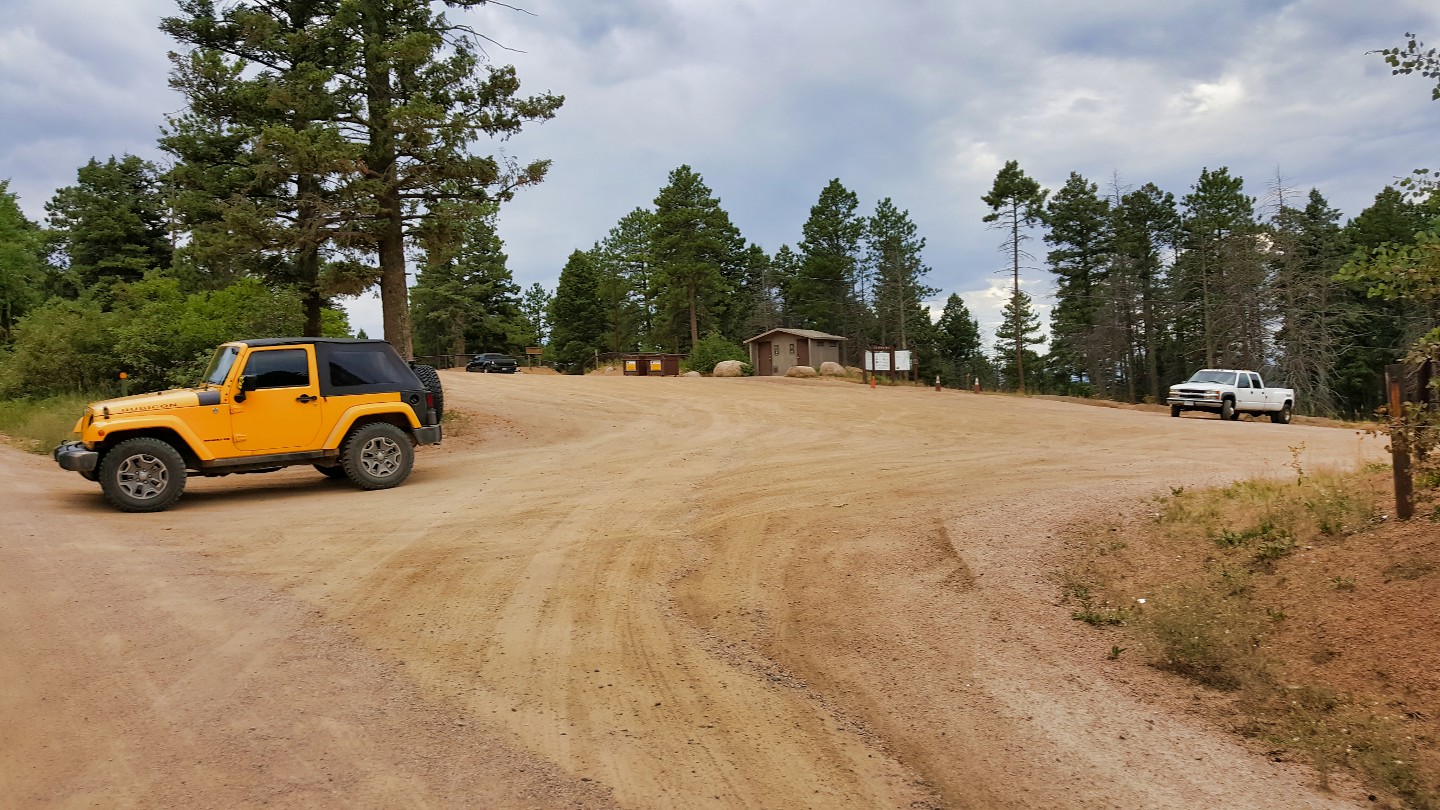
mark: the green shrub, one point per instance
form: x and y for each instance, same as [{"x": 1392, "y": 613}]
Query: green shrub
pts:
[{"x": 713, "y": 349}]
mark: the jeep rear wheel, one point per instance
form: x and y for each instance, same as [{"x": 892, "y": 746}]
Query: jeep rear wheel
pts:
[
  {"x": 142, "y": 475},
  {"x": 377, "y": 456},
  {"x": 431, "y": 380}
]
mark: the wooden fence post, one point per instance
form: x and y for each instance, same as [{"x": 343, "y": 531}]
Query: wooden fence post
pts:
[{"x": 1399, "y": 444}]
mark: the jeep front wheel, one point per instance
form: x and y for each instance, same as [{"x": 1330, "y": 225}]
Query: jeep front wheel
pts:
[
  {"x": 142, "y": 475},
  {"x": 378, "y": 456}
]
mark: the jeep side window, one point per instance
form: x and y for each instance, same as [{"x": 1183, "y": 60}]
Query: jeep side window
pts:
[
  {"x": 279, "y": 368},
  {"x": 349, "y": 369}
]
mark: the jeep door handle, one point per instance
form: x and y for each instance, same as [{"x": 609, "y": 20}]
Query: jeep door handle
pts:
[{"x": 305, "y": 398}]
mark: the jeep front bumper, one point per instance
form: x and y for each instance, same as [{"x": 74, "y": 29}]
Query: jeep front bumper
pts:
[{"x": 74, "y": 457}]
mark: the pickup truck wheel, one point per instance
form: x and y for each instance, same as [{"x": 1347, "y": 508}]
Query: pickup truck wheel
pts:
[
  {"x": 377, "y": 456},
  {"x": 331, "y": 470},
  {"x": 431, "y": 380},
  {"x": 1174, "y": 411},
  {"x": 1227, "y": 411},
  {"x": 1282, "y": 416},
  {"x": 142, "y": 475}
]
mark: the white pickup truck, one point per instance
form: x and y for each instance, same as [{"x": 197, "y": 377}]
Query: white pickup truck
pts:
[{"x": 1231, "y": 392}]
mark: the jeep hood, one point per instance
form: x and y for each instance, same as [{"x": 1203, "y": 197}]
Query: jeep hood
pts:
[{"x": 142, "y": 403}]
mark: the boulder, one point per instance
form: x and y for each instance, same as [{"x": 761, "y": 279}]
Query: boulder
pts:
[
  {"x": 729, "y": 368},
  {"x": 691, "y": 374},
  {"x": 831, "y": 369},
  {"x": 801, "y": 371},
  {"x": 854, "y": 371}
]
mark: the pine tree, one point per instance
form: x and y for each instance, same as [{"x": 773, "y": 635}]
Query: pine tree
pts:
[
  {"x": 1146, "y": 227},
  {"x": 21, "y": 277},
  {"x": 535, "y": 311},
  {"x": 1308, "y": 247},
  {"x": 264, "y": 175},
  {"x": 1221, "y": 273},
  {"x": 1018, "y": 331},
  {"x": 1079, "y": 226},
  {"x": 828, "y": 291},
  {"x": 577, "y": 321},
  {"x": 697, "y": 254},
  {"x": 893, "y": 249},
  {"x": 1016, "y": 202},
  {"x": 111, "y": 225},
  {"x": 961, "y": 356},
  {"x": 379, "y": 99},
  {"x": 468, "y": 299},
  {"x": 622, "y": 260}
]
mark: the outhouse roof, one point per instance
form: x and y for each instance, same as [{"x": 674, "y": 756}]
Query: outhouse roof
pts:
[{"x": 805, "y": 333}]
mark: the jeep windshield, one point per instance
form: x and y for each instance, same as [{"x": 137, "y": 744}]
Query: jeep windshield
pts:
[
  {"x": 1212, "y": 376},
  {"x": 220, "y": 365}
]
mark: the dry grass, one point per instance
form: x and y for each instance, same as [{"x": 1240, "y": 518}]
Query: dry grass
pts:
[
  {"x": 1299, "y": 599},
  {"x": 37, "y": 425}
]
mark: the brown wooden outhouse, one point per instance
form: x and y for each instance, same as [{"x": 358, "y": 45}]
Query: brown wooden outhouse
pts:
[{"x": 776, "y": 351}]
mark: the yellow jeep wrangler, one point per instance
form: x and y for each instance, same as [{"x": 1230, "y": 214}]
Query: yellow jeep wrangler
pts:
[{"x": 352, "y": 408}]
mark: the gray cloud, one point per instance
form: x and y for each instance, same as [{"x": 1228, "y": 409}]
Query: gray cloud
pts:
[{"x": 919, "y": 101}]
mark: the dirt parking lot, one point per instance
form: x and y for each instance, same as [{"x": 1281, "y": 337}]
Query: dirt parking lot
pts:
[{"x": 628, "y": 592}]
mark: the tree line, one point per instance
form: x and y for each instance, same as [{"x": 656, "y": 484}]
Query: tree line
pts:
[{"x": 328, "y": 143}]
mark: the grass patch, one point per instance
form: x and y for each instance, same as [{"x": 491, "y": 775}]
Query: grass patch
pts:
[
  {"x": 37, "y": 425},
  {"x": 1225, "y": 587}
]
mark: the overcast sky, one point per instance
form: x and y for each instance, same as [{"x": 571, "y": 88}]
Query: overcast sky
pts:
[{"x": 917, "y": 100}]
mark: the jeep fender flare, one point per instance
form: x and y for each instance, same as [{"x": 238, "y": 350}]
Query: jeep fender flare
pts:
[
  {"x": 118, "y": 430},
  {"x": 386, "y": 411}
]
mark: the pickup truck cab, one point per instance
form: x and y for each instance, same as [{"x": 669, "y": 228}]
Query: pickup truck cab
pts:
[
  {"x": 351, "y": 408},
  {"x": 1229, "y": 393}
]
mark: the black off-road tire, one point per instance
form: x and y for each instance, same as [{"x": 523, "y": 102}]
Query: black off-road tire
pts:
[
  {"x": 1282, "y": 416},
  {"x": 431, "y": 380},
  {"x": 1174, "y": 411},
  {"x": 142, "y": 475},
  {"x": 1227, "y": 411},
  {"x": 377, "y": 456},
  {"x": 332, "y": 471}
]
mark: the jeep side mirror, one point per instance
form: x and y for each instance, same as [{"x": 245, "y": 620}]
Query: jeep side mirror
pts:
[{"x": 249, "y": 382}]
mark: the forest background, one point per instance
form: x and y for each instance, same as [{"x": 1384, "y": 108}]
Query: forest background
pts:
[{"x": 328, "y": 147}]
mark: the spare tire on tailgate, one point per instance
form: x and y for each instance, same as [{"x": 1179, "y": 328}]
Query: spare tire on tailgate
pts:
[{"x": 431, "y": 380}]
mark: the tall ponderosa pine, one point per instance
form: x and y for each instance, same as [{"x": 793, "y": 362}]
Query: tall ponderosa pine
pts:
[
  {"x": 1016, "y": 203},
  {"x": 1079, "y": 227},
  {"x": 424, "y": 99},
  {"x": 697, "y": 254},
  {"x": 264, "y": 177},
  {"x": 410, "y": 97},
  {"x": 828, "y": 292}
]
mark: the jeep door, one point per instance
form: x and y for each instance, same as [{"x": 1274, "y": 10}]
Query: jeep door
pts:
[{"x": 281, "y": 410}]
